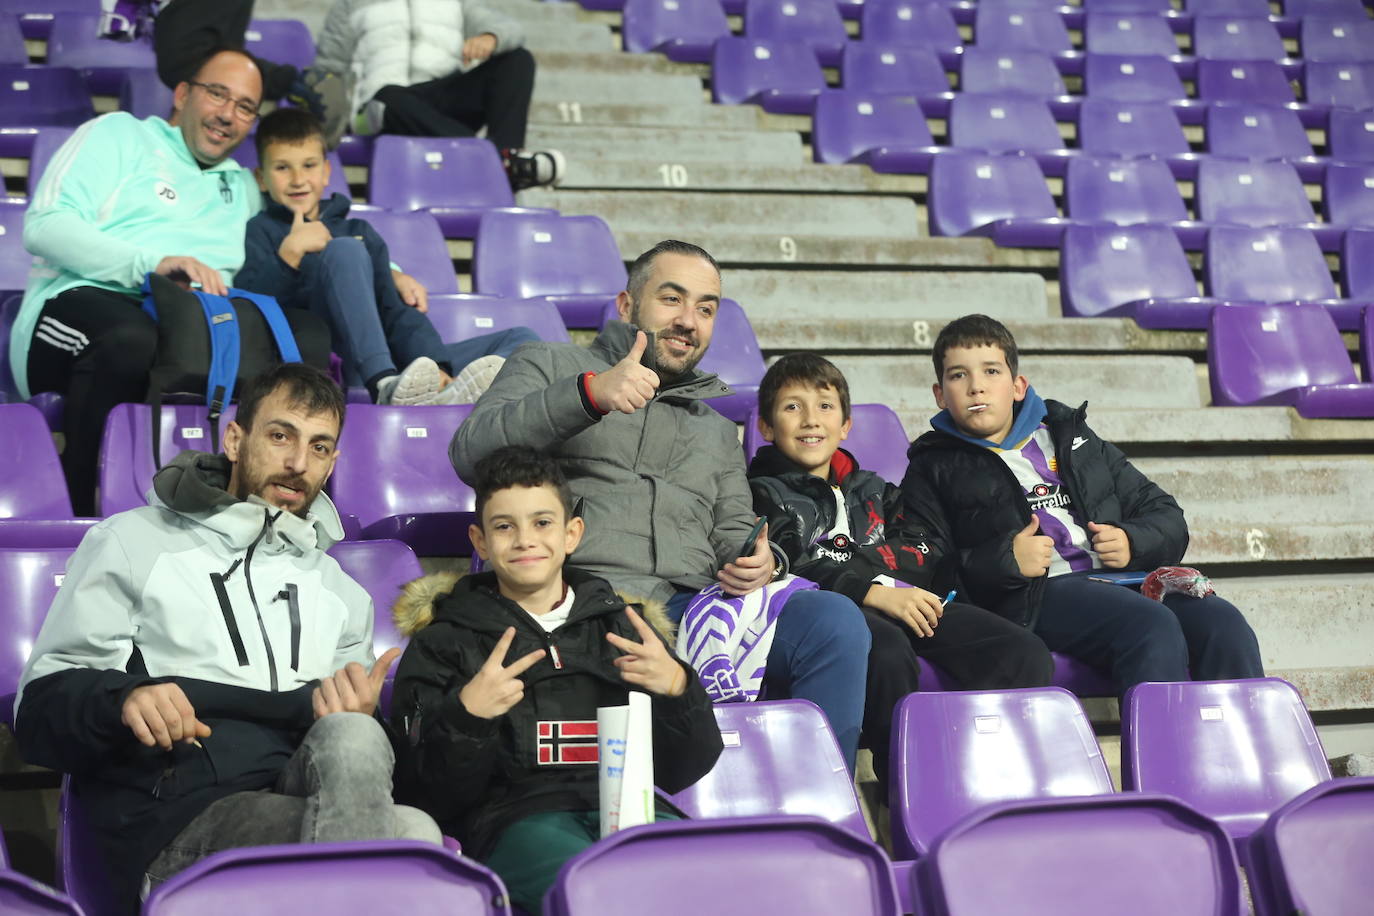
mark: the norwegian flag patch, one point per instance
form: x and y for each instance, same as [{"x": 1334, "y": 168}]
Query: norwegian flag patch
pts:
[{"x": 566, "y": 741}]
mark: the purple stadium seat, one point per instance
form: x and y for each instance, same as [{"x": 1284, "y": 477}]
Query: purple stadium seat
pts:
[
  {"x": 126, "y": 451},
  {"x": 1307, "y": 858},
  {"x": 1001, "y": 26},
  {"x": 416, "y": 243},
  {"x": 457, "y": 179},
  {"x": 1173, "y": 736},
  {"x": 14, "y": 260},
  {"x": 1357, "y": 266},
  {"x": 246, "y": 155},
  {"x": 1350, "y": 136},
  {"x": 4, "y": 857},
  {"x": 1132, "y": 34},
  {"x": 31, "y": 481},
  {"x": 1106, "y": 854},
  {"x": 1283, "y": 354},
  {"x": 1275, "y": 265},
  {"x": 1347, "y": 39},
  {"x": 466, "y": 315},
  {"x": 20, "y": 895},
  {"x": 1301, "y": 9},
  {"x": 734, "y": 356},
  {"x": 783, "y": 77},
  {"x": 29, "y": 579},
  {"x": 383, "y": 568},
  {"x": 399, "y": 876},
  {"x": 685, "y": 30},
  {"x": 142, "y": 94},
  {"x": 794, "y": 865},
  {"x": 1258, "y": 194},
  {"x": 1256, "y": 81},
  {"x": 41, "y": 97},
  {"x": 887, "y": 132},
  {"x": 1030, "y": 73},
  {"x": 1340, "y": 85},
  {"x": 46, "y": 142},
  {"x": 1004, "y": 197},
  {"x": 398, "y": 480},
  {"x": 1248, "y": 131},
  {"x": 1159, "y": 7},
  {"x": 572, "y": 261},
  {"x": 12, "y": 50},
  {"x": 1130, "y": 271},
  {"x": 36, "y": 16},
  {"x": 815, "y": 23},
  {"x": 1239, "y": 8},
  {"x": 75, "y": 42},
  {"x": 1005, "y": 122},
  {"x": 1138, "y": 78},
  {"x": 1108, "y": 127},
  {"x": 954, "y": 752},
  {"x": 1236, "y": 38},
  {"x": 282, "y": 41},
  {"x": 780, "y": 756},
  {"x": 1128, "y": 192},
  {"x": 914, "y": 23},
  {"x": 877, "y": 440},
  {"x": 896, "y": 69},
  {"x": 1080, "y": 678}
]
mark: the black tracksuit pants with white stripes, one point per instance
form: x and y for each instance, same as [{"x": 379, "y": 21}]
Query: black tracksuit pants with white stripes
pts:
[{"x": 96, "y": 347}]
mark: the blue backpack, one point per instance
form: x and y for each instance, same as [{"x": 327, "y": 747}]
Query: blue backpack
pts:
[{"x": 207, "y": 345}]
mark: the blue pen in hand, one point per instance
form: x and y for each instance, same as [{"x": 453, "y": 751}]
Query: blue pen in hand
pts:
[{"x": 949, "y": 597}]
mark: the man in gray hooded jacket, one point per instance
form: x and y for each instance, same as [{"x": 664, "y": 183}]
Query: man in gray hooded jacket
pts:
[
  {"x": 204, "y": 648},
  {"x": 660, "y": 476}
]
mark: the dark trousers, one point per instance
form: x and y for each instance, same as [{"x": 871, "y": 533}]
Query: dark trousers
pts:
[
  {"x": 187, "y": 31},
  {"x": 1136, "y": 639},
  {"x": 95, "y": 347},
  {"x": 977, "y": 648},
  {"x": 496, "y": 94}
]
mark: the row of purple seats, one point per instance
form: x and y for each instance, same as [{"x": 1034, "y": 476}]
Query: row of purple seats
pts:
[
  {"x": 1142, "y": 272},
  {"x": 1289, "y": 354}
]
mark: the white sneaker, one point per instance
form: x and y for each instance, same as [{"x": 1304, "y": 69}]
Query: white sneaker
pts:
[
  {"x": 476, "y": 377},
  {"x": 534, "y": 168},
  {"x": 418, "y": 383}
]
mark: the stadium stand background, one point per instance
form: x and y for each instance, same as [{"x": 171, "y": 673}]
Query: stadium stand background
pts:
[{"x": 838, "y": 259}]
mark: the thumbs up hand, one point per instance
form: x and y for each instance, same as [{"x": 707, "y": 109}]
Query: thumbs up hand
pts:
[
  {"x": 1033, "y": 551},
  {"x": 1112, "y": 546},
  {"x": 628, "y": 385}
]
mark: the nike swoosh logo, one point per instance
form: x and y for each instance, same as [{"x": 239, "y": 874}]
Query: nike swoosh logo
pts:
[{"x": 1076, "y": 443}]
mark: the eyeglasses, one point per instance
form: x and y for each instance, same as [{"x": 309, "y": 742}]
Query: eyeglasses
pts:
[{"x": 244, "y": 110}]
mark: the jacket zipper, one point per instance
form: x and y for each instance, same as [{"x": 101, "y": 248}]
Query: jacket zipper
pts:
[{"x": 267, "y": 520}]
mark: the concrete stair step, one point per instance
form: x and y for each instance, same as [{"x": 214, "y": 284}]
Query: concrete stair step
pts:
[
  {"x": 663, "y": 144},
  {"x": 678, "y": 175},
  {"x": 1312, "y": 621},
  {"x": 918, "y": 331},
  {"x": 1127, "y": 381},
  {"x": 575, "y": 86},
  {"x": 818, "y": 251},
  {"x": 617, "y": 62},
  {"x": 559, "y": 110},
  {"x": 563, "y": 34},
  {"x": 1318, "y": 492},
  {"x": 841, "y": 296}
]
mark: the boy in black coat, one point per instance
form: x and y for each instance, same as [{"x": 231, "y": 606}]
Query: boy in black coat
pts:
[
  {"x": 843, "y": 528},
  {"x": 1029, "y": 501},
  {"x": 307, "y": 253},
  {"x": 499, "y": 687}
]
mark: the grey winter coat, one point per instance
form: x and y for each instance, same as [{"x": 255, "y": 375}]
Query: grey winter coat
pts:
[{"x": 664, "y": 493}]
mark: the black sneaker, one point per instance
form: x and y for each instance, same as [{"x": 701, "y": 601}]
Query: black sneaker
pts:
[
  {"x": 533, "y": 168},
  {"x": 326, "y": 96}
]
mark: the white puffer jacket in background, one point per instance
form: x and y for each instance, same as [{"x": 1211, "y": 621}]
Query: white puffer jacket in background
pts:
[{"x": 404, "y": 42}]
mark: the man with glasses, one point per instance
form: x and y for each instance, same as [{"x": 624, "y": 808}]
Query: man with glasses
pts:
[{"x": 120, "y": 199}]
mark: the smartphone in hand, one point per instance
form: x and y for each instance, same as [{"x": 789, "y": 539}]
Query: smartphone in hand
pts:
[{"x": 748, "y": 549}]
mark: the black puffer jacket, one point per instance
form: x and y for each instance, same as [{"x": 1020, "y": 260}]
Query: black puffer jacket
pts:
[
  {"x": 971, "y": 506},
  {"x": 478, "y": 776},
  {"x": 801, "y": 512}
]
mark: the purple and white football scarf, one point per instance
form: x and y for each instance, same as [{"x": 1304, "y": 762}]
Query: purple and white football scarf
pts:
[{"x": 726, "y": 639}]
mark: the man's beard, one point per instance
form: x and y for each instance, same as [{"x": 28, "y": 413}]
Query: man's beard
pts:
[
  {"x": 671, "y": 368},
  {"x": 251, "y": 482}
]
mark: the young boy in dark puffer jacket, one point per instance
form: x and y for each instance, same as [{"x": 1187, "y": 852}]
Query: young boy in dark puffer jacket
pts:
[{"x": 499, "y": 686}]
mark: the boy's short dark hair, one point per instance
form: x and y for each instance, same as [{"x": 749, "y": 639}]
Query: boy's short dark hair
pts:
[
  {"x": 292, "y": 126},
  {"x": 519, "y": 466},
  {"x": 801, "y": 369},
  {"x": 307, "y": 388},
  {"x": 639, "y": 270},
  {"x": 973, "y": 331}
]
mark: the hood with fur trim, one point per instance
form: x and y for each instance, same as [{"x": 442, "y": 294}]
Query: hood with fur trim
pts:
[{"x": 414, "y": 609}]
